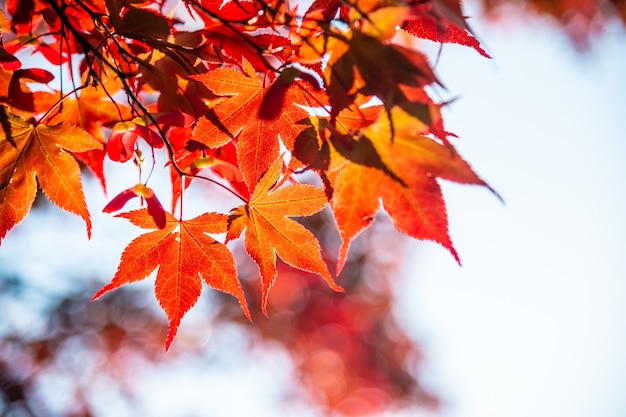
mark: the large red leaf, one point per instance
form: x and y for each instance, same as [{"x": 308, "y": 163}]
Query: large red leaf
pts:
[{"x": 184, "y": 253}]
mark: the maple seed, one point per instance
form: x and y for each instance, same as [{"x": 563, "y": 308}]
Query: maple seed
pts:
[{"x": 140, "y": 190}]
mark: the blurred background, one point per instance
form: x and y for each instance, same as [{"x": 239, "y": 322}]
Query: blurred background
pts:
[{"x": 533, "y": 323}]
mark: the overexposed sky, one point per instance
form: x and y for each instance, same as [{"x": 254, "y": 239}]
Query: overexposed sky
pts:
[{"x": 534, "y": 323}]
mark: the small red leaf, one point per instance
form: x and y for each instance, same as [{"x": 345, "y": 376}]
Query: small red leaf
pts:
[
  {"x": 224, "y": 168},
  {"x": 155, "y": 209},
  {"x": 426, "y": 27},
  {"x": 22, "y": 97},
  {"x": 53, "y": 56},
  {"x": 153, "y": 138}
]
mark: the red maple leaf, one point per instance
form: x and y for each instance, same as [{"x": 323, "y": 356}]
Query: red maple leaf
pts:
[
  {"x": 184, "y": 253},
  {"x": 424, "y": 25}
]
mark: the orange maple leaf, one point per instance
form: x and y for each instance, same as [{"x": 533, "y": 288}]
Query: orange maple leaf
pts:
[
  {"x": 402, "y": 170},
  {"x": 269, "y": 231},
  {"x": 184, "y": 253},
  {"x": 42, "y": 152},
  {"x": 238, "y": 114}
]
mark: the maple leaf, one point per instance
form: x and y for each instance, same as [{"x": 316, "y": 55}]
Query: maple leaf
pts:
[
  {"x": 401, "y": 169},
  {"x": 184, "y": 253},
  {"x": 23, "y": 98},
  {"x": 424, "y": 25},
  {"x": 42, "y": 152},
  {"x": 238, "y": 115},
  {"x": 269, "y": 231}
]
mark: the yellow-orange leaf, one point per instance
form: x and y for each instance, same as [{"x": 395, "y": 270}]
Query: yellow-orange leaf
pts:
[
  {"x": 269, "y": 231},
  {"x": 31, "y": 154},
  {"x": 184, "y": 253}
]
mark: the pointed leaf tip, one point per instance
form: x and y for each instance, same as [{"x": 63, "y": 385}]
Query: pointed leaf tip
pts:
[
  {"x": 171, "y": 334},
  {"x": 102, "y": 291}
]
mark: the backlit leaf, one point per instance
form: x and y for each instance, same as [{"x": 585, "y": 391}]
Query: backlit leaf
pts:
[
  {"x": 360, "y": 65},
  {"x": 39, "y": 154},
  {"x": 238, "y": 115},
  {"x": 424, "y": 25},
  {"x": 270, "y": 232},
  {"x": 185, "y": 255}
]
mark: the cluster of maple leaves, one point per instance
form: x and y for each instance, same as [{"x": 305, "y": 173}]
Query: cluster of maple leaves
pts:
[{"x": 246, "y": 97}]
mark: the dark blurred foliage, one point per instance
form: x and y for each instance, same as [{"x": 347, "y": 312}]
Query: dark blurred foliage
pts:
[
  {"x": 350, "y": 355},
  {"x": 583, "y": 21}
]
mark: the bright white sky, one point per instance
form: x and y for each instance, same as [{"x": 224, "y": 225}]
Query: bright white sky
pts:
[{"x": 534, "y": 323}]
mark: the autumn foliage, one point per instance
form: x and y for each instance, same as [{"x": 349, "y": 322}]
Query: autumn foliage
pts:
[{"x": 273, "y": 108}]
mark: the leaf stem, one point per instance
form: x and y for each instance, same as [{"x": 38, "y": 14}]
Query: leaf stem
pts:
[{"x": 59, "y": 101}]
